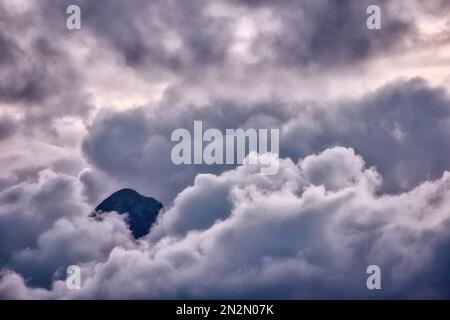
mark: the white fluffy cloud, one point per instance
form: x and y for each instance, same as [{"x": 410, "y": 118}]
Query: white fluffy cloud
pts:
[
  {"x": 309, "y": 232},
  {"x": 44, "y": 227},
  {"x": 85, "y": 113}
]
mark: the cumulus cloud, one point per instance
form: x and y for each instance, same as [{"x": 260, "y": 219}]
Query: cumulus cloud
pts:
[
  {"x": 364, "y": 126},
  {"x": 44, "y": 227},
  {"x": 288, "y": 237},
  {"x": 406, "y": 119}
]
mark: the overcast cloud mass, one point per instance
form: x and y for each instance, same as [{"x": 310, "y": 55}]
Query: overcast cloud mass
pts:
[{"x": 364, "y": 119}]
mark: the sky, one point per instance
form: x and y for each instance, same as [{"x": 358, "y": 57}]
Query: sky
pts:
[{"x": 364, "y": 172}]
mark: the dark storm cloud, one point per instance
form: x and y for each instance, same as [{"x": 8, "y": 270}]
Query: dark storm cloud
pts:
[
  {"x": 183, "y": 36},
  {"x": 8, "y": 126},
  {"x": 401, "y": 128},
  {"x": 28, "y": 210},
  {"x": 44, "y": 227},
  {"x": 176, "y": 36},
  {"x": 37, "y": 75},
  {"x": 329, "y": 34},
  {"x": 134, "y": 145},
  {"x": 407, "y": 120},
  {"x": 171, "y": 35},
  {"x": 284, "y": 236},
  {"x": 308, "y": 232},
  {"x": 39, "y": 85},
  {"x": 20, "y": 82}
]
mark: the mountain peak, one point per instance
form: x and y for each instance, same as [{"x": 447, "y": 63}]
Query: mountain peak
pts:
[{"x": 142, "y": 211}]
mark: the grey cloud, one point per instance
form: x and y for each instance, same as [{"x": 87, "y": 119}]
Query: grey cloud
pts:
[
  {"x": 94, "y": 185},
  {"x": 208, "y": 200},
  {"x": 39, "y": 85},
  {"x": 321, "y": 170},
  {"x": 183, "y": 37},
  {"x": 155, "y": 35},
  {"x": 408, "y": 120},
  {"x": 12, "y": 286},
  {"x": 29, "y": 209},
  {"x": 44, "y": 227},
  {"x": 8, "y": 126},
  {"x": 329, "y": 34},
  {"x": 38, "y": 76},
  {"x": 134, "y": 145},
  {"x": 285, "y": 239},
  {"x": 435, "y": 7},
  {"x": 130, "y": 134},
  {"x": 66, "y": 243},
  {"x": 307, "y": 232},
  {"x": 27, "y": 174}
]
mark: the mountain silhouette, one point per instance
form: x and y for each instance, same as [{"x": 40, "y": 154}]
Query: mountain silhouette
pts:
[{"x": 142, "y": 211}]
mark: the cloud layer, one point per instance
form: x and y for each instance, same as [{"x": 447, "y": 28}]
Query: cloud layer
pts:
[
  {"x": 364, "y": 119},
  {"x": 297, "y": 235}
]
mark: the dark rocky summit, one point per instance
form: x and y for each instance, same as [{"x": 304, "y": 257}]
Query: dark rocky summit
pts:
[{"x": 142, "y": 211}]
